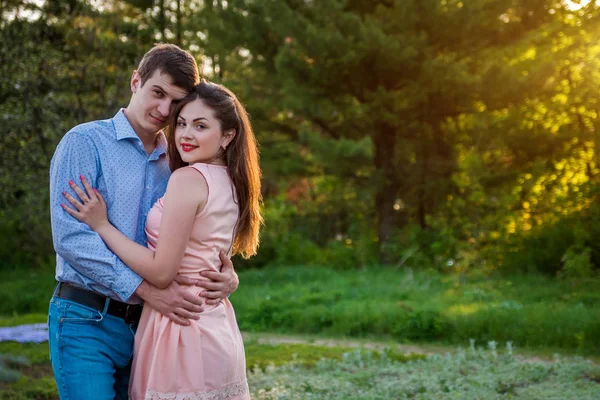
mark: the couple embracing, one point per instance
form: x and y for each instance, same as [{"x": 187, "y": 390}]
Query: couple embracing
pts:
[{"x": 143, "y": 225}]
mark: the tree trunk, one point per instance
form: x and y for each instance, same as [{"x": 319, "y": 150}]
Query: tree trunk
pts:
[
  {"x": 421, "y": 192},
  {"x": 385, "y": 144},
  {"x": 178, "y": 38},
  {"x": 162, "y": 19}
]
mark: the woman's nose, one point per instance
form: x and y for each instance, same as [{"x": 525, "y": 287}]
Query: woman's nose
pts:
[{"x": 186, "y": 132}]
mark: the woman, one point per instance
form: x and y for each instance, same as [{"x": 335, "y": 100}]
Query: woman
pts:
[{"x": 212, "y": 203}]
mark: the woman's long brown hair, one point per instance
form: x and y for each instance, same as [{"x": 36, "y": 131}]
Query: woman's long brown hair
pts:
[{"x": 241, "y": 158}]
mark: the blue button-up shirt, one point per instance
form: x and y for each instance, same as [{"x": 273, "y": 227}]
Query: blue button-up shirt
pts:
[{"x": 111, "y": 156}]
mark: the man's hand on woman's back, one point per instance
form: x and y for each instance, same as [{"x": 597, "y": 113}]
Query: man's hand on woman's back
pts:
[
  {"x": 221, "y": 284},
  {"x": 179, "y": 305},
  {"x": 174, "y": 302}
]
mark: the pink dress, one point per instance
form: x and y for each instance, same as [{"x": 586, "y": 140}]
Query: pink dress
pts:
[{"x": 204, "y": 360}]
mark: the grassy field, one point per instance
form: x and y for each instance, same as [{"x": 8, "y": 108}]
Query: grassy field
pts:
[
  {"x": 530, "y": 311},
  {"x": 35, "y": 381},
  {"x": 307, "y": 371},
  {"x": 418, "y": 309}
]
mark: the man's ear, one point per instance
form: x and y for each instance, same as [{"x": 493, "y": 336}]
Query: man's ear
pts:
[{"x": 136, "y": 81}]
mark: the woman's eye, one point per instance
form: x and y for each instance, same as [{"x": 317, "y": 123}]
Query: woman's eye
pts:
[
  {"x": 200, "y": 126},
  {"x": 158, "y": 93},
  {"x": 181, "y": 123}
]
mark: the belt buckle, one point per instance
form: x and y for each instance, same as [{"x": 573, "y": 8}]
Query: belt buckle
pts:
[{"x": 132, "y": 316}]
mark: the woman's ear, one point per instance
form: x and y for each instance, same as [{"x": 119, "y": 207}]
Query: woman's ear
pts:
[{"x": 228, "y": 136}]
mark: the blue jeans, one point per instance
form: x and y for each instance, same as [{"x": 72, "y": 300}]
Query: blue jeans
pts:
[{"x": 91, "y": 351}]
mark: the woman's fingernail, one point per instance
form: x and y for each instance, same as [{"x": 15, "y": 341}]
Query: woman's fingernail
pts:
[
  {"x": 71, "y": 182},
  {"x": 81, "y": 177}
]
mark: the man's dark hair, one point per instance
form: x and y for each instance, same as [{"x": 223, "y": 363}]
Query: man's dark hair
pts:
[{"x": 172, "y": 60}]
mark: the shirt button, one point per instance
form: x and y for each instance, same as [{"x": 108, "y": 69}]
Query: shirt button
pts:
[{"x": 148, "y": 187}]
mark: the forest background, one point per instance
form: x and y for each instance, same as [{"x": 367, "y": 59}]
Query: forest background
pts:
[
  {"x": 431, "y": 173},
  {"x": 439, "y": 134}
]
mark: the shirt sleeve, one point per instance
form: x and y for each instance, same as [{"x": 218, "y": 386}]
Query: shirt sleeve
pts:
[{"x": 74, "y": 241}]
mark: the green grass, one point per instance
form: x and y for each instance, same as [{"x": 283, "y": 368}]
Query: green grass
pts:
[
  {"x": 530, "y": 311},
  {"x": 394, "y": 305},
  {"x": 24, "y": 291},
  {"x": 261, "y": 356},
  {"x": 533, "y": 312},
  {"x": 36, "y": 381},
  {"x": 35, "y": 353},
  {"x": 305, "y": 371},
  {"x": 26, "y": 319},
  {"x": 467, "y": 375}
]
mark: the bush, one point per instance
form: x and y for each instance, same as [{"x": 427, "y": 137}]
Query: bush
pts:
[
  {"x": 416, "y": 247},
  {"x": 568, "y": 247},
  {"x": 577, "y": 263}
]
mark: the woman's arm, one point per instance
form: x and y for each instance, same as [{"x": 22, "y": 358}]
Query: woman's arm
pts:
[{"x": 187, "y": 193}]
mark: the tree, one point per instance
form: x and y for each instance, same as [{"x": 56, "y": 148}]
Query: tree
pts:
[{"x": 394, "y": 71}]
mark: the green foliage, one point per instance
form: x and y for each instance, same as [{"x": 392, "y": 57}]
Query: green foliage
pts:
[
  {"x": 309, "y": 234},
  {"x": 531, "y": 311},
  {"x": 300, "y": 371},
  {"x": 577, "y": 264},
  {"x": 32, "y": 353},
  {"x": 404, "y": 304},
  {"x": 26, "y": 290},
  {"x": 7, "y": 365},
  {"x": 26, "y": 388},
  {"x": 63, "y": 66},
  {"x": 36, "y": 381},
  {"x": 567, "y": 247},
  {"x": 474, "y": 121},
  {"x": 260, "y": 356},
  {"x": 416, "y": 247},
  {"x": 472, "y": 374}
]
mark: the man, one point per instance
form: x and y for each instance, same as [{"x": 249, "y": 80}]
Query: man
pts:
[{"x": 96, "y": 304}]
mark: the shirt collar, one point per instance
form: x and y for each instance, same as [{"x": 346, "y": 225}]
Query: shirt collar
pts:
[
  {"x": 123, "y": 127},
  {"x": 161, "y": 146},
  {"x": 124, "y": 130}
]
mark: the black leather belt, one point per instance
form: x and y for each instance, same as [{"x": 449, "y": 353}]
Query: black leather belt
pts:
[{"x": 131, "y": 313}]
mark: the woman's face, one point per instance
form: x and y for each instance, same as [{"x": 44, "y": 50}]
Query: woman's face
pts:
[{"x": 198, "y": 134}]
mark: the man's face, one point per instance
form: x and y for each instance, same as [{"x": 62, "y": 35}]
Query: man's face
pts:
[{"x": 148, "y": 110}]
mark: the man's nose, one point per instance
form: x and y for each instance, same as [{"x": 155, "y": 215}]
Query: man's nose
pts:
[{"x": 164, "y": 107}]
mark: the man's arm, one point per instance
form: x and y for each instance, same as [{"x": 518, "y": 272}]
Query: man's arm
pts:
[
  {"x": 82, "y": 248},
  {"x": 179, "y": 305},
  {"x": 85, "y": 250},
  {"x": 186, "y": 193}
]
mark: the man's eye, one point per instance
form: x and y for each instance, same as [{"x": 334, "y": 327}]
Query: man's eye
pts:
[{"x": 158, "y": 93}]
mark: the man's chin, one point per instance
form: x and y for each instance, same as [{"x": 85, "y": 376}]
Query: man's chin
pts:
[
  {"x": 155, "y": 127},
  {"x": 157, "y": 123}
]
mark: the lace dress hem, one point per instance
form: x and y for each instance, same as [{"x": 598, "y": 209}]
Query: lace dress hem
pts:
[{"x": 227, "y": 392}]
